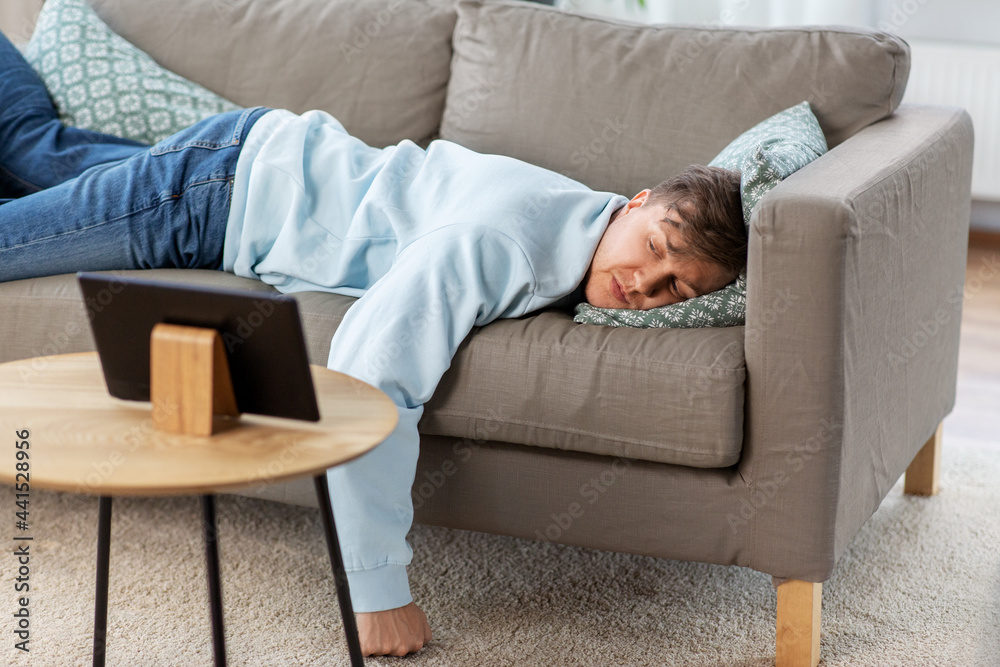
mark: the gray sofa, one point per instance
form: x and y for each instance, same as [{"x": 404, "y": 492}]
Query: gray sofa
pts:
[{"x": 765, "y": 446}]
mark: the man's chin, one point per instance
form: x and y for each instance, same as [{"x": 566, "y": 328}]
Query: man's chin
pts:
[{"x": 594, "y": 300}]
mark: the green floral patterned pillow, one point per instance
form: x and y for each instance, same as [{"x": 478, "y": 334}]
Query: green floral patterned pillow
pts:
[
  {"x": 764, "y": 155},
  {"x": 99, "y": 81}
]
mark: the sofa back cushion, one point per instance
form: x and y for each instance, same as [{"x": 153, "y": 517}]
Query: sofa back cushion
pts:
[
  {"x": 622, "y": 106},
  {"x": 380, "y": 66}
]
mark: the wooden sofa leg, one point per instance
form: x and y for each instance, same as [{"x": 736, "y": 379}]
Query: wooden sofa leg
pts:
[
  {"x": 798, "y": 624},
  {"x": 922, "y": 475}
]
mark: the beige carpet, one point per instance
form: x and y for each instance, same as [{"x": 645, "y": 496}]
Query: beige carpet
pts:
[{"x": 919, "y": 586}]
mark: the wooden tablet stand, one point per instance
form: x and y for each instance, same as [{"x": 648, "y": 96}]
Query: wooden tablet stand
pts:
[{"x": 189, "y": 381}]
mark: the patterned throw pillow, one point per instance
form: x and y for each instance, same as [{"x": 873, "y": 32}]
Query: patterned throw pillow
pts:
[
  {"x": 101, "y": 82},
  {"x": 764, "y": 155}
]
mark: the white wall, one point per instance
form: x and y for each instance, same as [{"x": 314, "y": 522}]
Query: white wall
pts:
[
  {"x": 731, "y": 12},
  {"x": 944, "y": 20},
  {"x": 959, "y": 20}
]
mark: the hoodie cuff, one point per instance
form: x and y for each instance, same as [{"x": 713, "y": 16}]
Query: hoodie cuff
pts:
[{"x": 379, "y": 589}]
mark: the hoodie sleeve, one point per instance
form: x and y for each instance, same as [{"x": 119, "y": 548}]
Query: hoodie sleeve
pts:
[{"x": 400, "y": 337}]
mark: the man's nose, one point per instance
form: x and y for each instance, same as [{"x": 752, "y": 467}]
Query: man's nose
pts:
[{"x": 648, "y": 279}]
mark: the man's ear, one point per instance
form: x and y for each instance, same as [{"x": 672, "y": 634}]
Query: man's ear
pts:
[{"x": 636, "y": 201}]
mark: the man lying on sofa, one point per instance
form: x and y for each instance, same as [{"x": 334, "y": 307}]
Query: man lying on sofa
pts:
[{"x": 433, "y": 242}]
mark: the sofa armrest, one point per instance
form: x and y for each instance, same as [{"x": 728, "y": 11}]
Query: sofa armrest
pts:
[{"x": 855, "y": 279}]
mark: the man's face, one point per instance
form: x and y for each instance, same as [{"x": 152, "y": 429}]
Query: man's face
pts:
[{"x": 637, "y": 264}]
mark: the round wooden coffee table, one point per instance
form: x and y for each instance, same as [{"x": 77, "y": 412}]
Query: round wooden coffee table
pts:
[{"x": 82, "y": 440}]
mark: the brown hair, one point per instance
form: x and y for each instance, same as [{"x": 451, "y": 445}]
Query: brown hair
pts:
[{"x": 708, "y": 200}]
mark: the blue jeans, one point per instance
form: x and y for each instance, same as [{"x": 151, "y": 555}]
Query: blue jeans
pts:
[
  {"x": 76, "y": 200},
  {"x": 73, "y": 200}
]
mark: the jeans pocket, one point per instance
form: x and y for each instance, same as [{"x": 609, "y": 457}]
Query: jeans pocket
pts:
[
  {"x": 213, "y": 133},
  {"x": 177, "y": 142}
]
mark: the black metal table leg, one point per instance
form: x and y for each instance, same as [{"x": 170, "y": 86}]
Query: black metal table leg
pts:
[
  {"x": 214, "y": 583},
  {"x": 101, "y": 594},
  {"x": 339, "y": 574}
]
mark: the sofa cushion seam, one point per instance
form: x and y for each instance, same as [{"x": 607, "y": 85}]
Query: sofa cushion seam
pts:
[
  {"x": 620, "y": 355},
  {"x": 607, "y": 439}
]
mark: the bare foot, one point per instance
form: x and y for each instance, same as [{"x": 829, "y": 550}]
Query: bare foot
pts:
[{"x": 394, "y": 631}]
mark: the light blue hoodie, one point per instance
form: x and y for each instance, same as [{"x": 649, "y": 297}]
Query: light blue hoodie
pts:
[{"x": 433, "y": 242}]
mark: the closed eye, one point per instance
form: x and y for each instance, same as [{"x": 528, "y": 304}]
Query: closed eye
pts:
[{"x": 652, "y": 247}]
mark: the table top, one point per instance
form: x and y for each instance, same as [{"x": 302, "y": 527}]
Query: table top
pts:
[{"x": 82, "y": 439}]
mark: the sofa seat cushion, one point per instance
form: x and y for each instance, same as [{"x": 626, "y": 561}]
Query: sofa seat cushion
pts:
[{"x": 665, "y": 395}]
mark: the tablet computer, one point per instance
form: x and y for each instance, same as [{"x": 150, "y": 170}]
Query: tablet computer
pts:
[{"x": 261, "y": 335}]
